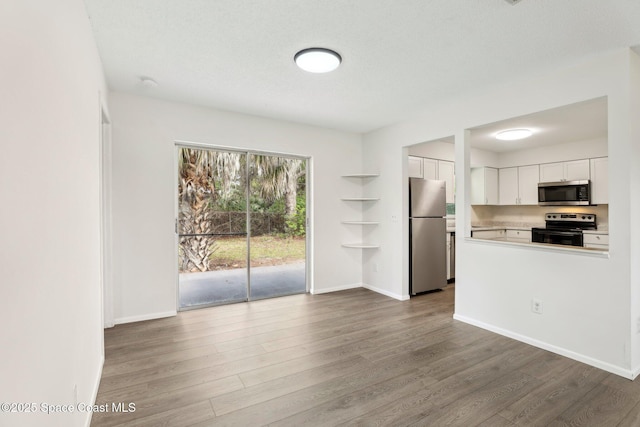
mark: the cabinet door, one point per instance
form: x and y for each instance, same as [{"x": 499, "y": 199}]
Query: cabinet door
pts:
[
  {"x": 600, "y": 180},
  {"x": 446, "y": 173},
  {"x": 508, "y": 186},
  {"x": 429, "y": 169},
  {"x": 484, "y": 186},
  {"x": 522, "y": 236},
  {"x": 552, "y": 172},
  {"x": 488, "y": 234},
  {"x": 576, "y": 170},
  {"x": 491, "y": 186},
  {"x": 528, "y": 178},
  {"x": 477, "y": 186},
  {"x": 448, "y": 256},
  {"x": 415, "y": 167}
]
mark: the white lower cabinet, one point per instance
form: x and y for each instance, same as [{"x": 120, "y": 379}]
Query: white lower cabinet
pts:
[
  {"x": 488, "y": 234},
  {"x": 521, "y": 236},
  {"x": 596, "y": 241},
  {"x": 509, "y": 235}
]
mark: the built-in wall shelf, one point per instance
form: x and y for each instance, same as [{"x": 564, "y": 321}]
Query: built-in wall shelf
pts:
[
  {"x": 360, "y": 222},
  {"x": 361, "y": 175}
]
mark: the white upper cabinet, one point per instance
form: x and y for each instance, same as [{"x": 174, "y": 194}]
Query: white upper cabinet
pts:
[
  {"x": 552, "y": 172},
  {"x": 528, "y": 179},
  {"x": 415, "y": 167},
  {"x": 484, "y": 186},
  {"x": 599, "y": 180},
  {"x": 519, "y": 185},
  {"x": 446, "y": 173},
  {"x": 508, "y": 186},
  {"x": 422, "y": 167},
  {"x": 429, "y": 169},
  {"x": 577, "y": 170},
  {"x": 565, "y": 171}
]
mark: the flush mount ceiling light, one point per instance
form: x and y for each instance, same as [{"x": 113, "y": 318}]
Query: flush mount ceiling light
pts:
[
  {"x": 513, "y": 134},
  {"x": 317, "y": 60},
  {"x": 148, "y": 82}
]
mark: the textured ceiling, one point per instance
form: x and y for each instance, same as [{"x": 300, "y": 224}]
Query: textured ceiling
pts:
[{"x": 399, "y": 57}]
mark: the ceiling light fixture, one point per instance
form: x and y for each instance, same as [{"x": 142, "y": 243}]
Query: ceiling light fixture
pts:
[
  {"x": 317, "y": 60},
  {"x": 148, "y": 82},
  {"x": 513, "y": 134}
]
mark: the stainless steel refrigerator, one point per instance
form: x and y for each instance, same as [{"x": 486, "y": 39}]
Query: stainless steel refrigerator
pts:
[{"x": 427, "y": 235}]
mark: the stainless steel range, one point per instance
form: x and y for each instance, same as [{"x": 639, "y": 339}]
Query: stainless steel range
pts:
[{"x": 564, "y": 228}]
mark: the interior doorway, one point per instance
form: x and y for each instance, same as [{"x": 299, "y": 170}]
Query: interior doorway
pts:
[{"x": 241, "y": 226}]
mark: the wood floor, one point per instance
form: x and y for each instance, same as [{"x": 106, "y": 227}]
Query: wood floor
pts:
[{"x": 347, "y": 358}]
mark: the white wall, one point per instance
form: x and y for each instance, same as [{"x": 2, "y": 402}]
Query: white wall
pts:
[
  {"x": 446, "y": 151},
  {"x": 51, "y": 337},
  {"x": 634, "y": 202},
  {"x": 555, "y": 153},
  {"x": 144, "y": 131},
  {"x": 586, "y": 299},
  {"x": 440, "y": 150}
]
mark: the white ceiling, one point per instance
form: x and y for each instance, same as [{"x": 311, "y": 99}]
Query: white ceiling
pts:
[{"x": 399, "y": 57}]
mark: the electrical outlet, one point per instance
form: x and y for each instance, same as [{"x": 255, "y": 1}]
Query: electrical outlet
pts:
[
  {"x": 375, "y": 267},
  {"x": 536, "y": 306}
]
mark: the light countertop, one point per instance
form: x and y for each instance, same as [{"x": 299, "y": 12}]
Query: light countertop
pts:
[{"x": 600, "y": 230}]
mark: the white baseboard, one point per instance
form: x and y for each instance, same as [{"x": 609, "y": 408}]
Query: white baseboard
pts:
[
  {"x": 336, "y": 288},
  {"x": 635, "y": 372},
  {"x": 142, "y": 317},
  {"x": 605, "y": 366},
  {"x": 94, "y": 393},
  {"x": 386, "y": 293},
  {"x": 361, "y": 285}
]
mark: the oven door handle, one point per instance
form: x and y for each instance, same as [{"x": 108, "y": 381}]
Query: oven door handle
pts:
[{"x": 560, "y": 233}]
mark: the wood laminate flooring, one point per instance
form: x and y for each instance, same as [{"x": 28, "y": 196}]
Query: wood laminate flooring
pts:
[{"x": 347, "y": 358}]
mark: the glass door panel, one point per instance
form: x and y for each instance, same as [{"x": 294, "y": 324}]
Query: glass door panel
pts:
[
  {"x": 212, "y": 227},
  {"x": 277, "y": 216}
]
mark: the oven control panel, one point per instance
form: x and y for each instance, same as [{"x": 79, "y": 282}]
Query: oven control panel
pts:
[{"x": 573, "y": 217}]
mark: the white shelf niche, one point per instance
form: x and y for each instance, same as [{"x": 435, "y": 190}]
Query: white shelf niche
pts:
[{"x": 360, "y": 199}]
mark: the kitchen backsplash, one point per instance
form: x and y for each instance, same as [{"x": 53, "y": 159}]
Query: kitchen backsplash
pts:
[
  {"x": 531, "y": 216},
  {"x": 451, "y": 209}
]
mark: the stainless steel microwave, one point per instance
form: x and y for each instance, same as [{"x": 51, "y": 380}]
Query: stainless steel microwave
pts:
[{"x": 564, "y": 193}]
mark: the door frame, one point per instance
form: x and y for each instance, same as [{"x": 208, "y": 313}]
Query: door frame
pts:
[
  {"x": 247, "y": 151},
  {"x": 106, "y": 215}
]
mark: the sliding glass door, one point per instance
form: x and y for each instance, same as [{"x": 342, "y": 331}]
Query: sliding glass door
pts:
[
  {"x": 277, "y": 216},
  {"x": 241, "y": 225}
]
